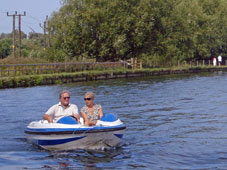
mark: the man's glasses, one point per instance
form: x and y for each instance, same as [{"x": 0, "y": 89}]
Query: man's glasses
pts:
[
  {"x": 66, "y": 98},
  {"x": 87, "y": 98}
]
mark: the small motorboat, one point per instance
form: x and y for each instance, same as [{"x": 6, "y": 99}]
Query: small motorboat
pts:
[{"x": 67, "y": 134}]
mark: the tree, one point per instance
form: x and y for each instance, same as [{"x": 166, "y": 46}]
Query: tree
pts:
[
  {"x": 4, "y": 35},
  {"x": 159, "y": 32},
  {"x": 5, "y": 47},
  {"x": 106, "y": 30}
]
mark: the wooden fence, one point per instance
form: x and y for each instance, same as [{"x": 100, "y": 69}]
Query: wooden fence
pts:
[
  {"x": 7, "y": 70},
  {"x": 134, "y": 63},
  {"x": 201, "y": 63}
]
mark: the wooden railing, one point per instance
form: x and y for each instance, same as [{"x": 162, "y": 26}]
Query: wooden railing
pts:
[
  {"x": 7, "y": 70},
  {"x": 134, "y": 63},
  {"x": 202, "y": 63}
]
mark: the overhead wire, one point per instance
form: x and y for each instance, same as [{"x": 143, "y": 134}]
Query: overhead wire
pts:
[
  {"x": 34, "y": 18},
  {"x": 29, "y": 24},
  {"x": 5, "y": 21}
]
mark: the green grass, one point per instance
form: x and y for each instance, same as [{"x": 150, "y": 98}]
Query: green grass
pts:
[{"x": 59, "y": 78}]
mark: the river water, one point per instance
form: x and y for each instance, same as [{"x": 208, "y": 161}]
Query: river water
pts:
[{"x": 173, "y": 122}]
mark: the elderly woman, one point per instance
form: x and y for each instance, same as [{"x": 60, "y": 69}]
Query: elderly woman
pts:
[{"x": 91, "y": 112}]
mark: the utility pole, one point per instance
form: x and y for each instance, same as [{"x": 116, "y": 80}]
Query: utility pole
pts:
[
  {"x": 44, "y": 27},
  {"x": 45, "y": 31},
  {"x": 19, "y": 24},
  {"x": 13, "y": 46},
  {"x": 48, "y": 34}
]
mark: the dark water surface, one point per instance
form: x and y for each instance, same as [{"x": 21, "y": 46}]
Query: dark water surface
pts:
[{"x": 173, "y": 122}]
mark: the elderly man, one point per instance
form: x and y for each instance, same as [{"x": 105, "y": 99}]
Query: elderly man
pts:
[{"x": 63, "y": 108}]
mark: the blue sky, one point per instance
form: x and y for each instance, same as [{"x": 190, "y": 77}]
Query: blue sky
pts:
[{"x": 36, "y": 12}]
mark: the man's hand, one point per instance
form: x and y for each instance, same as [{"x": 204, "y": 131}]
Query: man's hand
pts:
[
  {"x": 48, "y": 118},
  {"x": 77, "y": 117}
]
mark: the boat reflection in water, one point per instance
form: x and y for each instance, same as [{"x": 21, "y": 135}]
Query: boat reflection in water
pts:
[{"x": 67, "y": 134}]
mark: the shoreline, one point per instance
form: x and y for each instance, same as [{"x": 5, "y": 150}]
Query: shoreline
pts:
[{"x": 62, "y": 78}]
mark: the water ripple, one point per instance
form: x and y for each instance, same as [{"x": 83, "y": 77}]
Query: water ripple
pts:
[{"x": 173, "y": 122}]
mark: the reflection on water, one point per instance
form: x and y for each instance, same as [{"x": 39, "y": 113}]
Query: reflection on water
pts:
[
  {"x": 87, "y": 158},
  {"x": 173, "y": 122}
]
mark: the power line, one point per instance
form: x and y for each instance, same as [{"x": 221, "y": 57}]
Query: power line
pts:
[
  {"x": 34, "y": 18},
  {"x": 28, "y": 22},
  {"x": 2, "y": 11}
]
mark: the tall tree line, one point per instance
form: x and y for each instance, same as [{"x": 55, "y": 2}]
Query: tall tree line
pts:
[
  {"x": 159, "y": 32},
  {"x": 156, "y": 31}
]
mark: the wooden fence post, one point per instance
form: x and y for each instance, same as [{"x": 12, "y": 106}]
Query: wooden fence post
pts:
[
  {"x": 8, "y": 70},
  {"x": 15, "y": 70},
  {"x": 141, "y": 66}
]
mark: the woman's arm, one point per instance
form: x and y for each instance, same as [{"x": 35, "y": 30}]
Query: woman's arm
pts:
[
  {"x": 76, "y": 113},
  {"x": 77, "y": 117},
  {"x": 100, "y": 113},
  {"x": 87, "y": 122}
]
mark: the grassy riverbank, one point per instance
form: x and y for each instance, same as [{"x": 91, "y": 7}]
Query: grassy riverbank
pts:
[{"x": 60, "y": 78}]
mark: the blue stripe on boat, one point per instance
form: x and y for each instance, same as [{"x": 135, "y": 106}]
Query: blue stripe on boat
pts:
[
  {"x": 58, "y": 141},
  {"x": 119, "y": 135}
]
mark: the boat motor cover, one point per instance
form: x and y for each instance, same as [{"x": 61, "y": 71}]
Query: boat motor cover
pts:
[
  {"x": 67, "y": 120},
  {"x": 109, "y": 117}
]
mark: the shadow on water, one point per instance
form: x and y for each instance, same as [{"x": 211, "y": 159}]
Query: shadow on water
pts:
[
  {"x": 34, "y": 157},
  {"x": 88, "y": 159},
  {"x": 79, "y": 159}
]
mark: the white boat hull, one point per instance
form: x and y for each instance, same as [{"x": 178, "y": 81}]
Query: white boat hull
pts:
[
  {"x": 80, "y": 141},
  {"x": 57, "y": 136}
]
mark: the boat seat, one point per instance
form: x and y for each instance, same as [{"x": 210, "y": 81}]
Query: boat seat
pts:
[
  {"x": 67, "y": 120},
  {"x": 109, "y": 117}
]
